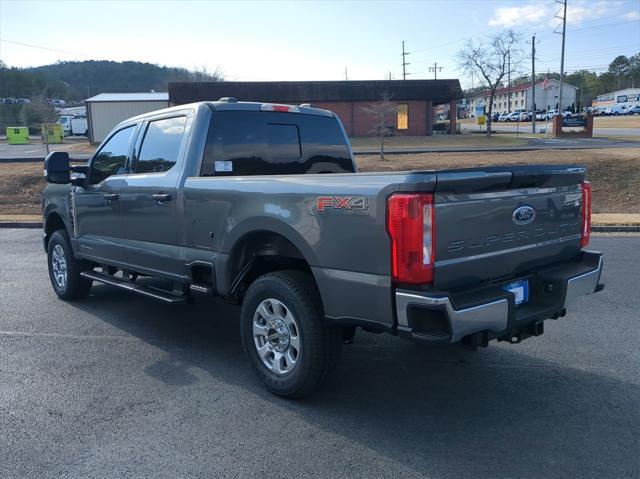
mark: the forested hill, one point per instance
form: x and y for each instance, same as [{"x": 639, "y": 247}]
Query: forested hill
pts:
[{"x": 78, "y": 80}]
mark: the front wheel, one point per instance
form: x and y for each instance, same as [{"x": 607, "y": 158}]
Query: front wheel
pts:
[
  {"x": 285, "y": 336},
  {"x": 64, "y": 268}
]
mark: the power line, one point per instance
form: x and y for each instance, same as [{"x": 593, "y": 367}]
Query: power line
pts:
[
  {"x": 40, "y": 47},
  {"x": 602, "y": 25}
]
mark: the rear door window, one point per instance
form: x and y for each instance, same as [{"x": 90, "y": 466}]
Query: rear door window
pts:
[
  {"x": 269, "y": 143},
  {"x": 160, "y": 145}
]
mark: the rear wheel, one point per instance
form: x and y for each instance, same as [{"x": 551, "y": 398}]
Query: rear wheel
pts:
[
  {"x": 285, "y": 336},
  {"x": 64, "y": 268}
]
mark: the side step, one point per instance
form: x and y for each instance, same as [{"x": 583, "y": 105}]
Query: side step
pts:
[{"x": 150, "y": 291}]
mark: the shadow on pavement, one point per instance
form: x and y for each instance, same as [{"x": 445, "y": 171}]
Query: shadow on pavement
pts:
[{"x": 441, "y": 412}]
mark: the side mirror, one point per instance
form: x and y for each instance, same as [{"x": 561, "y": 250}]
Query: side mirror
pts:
[{"x": 56, "y": 167}]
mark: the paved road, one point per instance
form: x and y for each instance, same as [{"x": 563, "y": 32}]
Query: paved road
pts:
[{"x": 121, "y": 386}]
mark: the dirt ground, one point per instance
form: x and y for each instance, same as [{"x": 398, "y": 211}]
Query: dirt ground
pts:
[
  {"x": 21, "y": 185},
  {"x": 614, "y": 173},
  {"x": 440, "y": 141}
]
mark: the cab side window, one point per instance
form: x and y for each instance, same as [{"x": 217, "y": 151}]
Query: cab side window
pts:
[
  {"x": 112, "y": 157},
  {"x": 161, "y": 145}
]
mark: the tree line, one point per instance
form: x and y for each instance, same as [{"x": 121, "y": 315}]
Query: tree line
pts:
[{"x": 75, "y": 81}]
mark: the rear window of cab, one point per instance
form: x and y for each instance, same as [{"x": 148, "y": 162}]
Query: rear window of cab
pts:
[{"x": 243, "y": 143}]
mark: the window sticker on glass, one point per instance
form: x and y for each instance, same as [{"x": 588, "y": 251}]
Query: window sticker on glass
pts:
[{"x": 223, "y": 166}]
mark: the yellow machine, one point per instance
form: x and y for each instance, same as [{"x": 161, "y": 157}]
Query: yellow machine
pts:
[
  {"x": 52, "y": 133},
  {"x": 17, "y": 135}
]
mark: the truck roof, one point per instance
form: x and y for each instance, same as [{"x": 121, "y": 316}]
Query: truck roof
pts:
[{"x": 231, "y": 104}]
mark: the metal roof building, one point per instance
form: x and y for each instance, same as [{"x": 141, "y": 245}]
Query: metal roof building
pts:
[
  {"x": 106, "y": 110},
  {"x": 414, "y": 100}
]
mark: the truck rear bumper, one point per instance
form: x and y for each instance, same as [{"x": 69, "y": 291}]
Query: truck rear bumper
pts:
[{"x": 489, "y": 312}]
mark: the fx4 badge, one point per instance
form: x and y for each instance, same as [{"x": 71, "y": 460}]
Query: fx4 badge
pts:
[{"x": 345, "y": 204}]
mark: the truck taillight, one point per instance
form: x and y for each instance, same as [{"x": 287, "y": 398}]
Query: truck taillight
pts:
[
  {"x": 411, "y": 227},
  {"x": 585, "y": 230}
]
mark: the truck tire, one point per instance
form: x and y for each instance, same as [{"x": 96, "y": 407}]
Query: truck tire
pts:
[
  {"x": 64, "y": 269},
  {"x": 288, "y": 342}
]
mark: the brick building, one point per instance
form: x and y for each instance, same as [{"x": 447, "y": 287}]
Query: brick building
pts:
[{"x": 416, "y": 100}]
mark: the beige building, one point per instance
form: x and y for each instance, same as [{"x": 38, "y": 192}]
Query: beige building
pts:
[
  {"x": 547, "y": 93},
  {"x": 106, "y": 110}
]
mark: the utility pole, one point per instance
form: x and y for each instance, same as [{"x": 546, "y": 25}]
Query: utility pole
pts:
[
  {"x": 581, "y": 89},
  {"x": 404, "y": 63},
  {"x": 533, "y": 83},
  {"x": 508, "y": 81},
  {"x": 564, "y": 32},
  {"x": 435, "y": 69}
]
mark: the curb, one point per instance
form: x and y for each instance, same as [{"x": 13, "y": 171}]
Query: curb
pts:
[
  {"x": 481, "y": 150},
  {"x": 616, "y": 229},
  {"x": 20, "y": 224},
  {"x": 594, "y": 228}
]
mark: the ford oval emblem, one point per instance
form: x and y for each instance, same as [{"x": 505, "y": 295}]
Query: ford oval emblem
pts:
[{"x": 524, "y": 215}]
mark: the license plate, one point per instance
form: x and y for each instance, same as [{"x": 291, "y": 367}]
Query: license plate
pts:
[{"x": 520, "y": 289}]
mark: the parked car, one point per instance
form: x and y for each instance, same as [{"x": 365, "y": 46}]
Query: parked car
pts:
[
  {"x": 552, "y": 113},
  {"x": 513, "y": 116},
  {"x": 495, "y": 117},
  {"x": 634, "y": 110},
  {"x": 261, "y": 205},
  {"x": 615, "y": 111},
  {"x": 525, "y": 116},
  {"x": 541, "y": 115}
]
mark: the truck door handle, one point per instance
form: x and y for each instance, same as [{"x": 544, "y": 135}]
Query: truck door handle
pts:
[
  {"x": 161, "y": 197},
  {"x": 111, "y": 196}
]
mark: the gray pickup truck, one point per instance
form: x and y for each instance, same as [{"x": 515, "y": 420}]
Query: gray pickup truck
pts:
[{"x": 261, "y": 204}]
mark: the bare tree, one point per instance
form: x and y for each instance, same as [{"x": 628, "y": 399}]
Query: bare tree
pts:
[
  {"x": 381, "y": 111},
  {"x": 490, "y": 60}
]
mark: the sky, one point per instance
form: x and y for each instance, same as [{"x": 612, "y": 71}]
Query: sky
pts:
[{"x": 306, "y": 40}]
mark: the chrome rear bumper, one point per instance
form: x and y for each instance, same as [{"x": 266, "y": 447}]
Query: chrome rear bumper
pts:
[{"x": 497, "y": 314}]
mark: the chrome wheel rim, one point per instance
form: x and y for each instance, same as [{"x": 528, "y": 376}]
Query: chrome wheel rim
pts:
[
  {"x": 59, "y": 266},
  {"x": 276, "y": 336}
]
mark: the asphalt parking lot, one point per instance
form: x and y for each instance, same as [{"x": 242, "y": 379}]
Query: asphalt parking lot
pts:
[{"x": 121, "y": 386}]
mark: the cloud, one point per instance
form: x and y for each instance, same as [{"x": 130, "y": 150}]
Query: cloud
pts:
[
  {"x": 513, "y": 16},
  {"x": 632, "y": 15},
  {"x": 535, "y": 13},
  {"x": 579, "y": 12}
]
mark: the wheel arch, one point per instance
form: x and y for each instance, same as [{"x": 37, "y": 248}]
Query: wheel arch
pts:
[
  {"x": 268, "y": 247},
  {"x": 53, "y": 221}
]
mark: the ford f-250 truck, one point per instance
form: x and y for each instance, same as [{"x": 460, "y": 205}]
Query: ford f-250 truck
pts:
[{"x": 261, "y": 204}]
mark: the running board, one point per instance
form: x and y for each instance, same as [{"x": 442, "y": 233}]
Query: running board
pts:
[{"x": 149, "y": 291}]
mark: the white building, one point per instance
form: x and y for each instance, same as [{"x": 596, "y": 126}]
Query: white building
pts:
[
  {"x": 547, "y": 96},
  {"x": 627, "y": 98},
  {"x": 106, "y": 110}
]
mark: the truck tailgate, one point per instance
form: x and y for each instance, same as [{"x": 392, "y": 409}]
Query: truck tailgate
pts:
[{"x": 498, "y": 223}]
